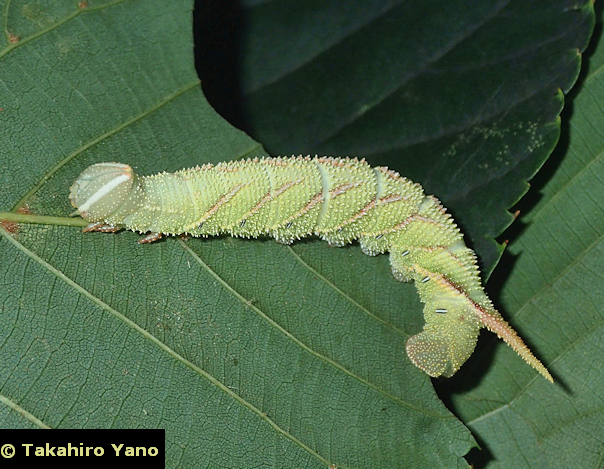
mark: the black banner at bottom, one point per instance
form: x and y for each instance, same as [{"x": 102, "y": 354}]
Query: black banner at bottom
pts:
[{"x": 71, "y": 446}]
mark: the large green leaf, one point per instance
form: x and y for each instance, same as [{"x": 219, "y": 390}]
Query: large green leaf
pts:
[
  {"x": 554, "y": 294},
  {"x": 250, "y": 353}
]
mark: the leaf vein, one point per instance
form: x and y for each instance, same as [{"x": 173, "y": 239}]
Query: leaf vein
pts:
[
  {"x": 154, "y": 340},
  {"x": 100, "y": 138},
  {"x": 345, "y": 295},
  {"x": 49, "y": 28},
  {"x": 27, "y": 415},
  {"x": 301, "y": 344}
]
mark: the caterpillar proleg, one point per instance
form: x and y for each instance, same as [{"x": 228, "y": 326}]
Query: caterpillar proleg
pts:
[{"x": 337, "y": 199}]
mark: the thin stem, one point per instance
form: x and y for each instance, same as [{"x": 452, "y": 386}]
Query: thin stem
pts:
[{"x": 41, "y": 219}]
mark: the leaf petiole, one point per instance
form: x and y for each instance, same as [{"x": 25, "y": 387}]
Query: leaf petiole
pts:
[{"x": 41, "y": 219}]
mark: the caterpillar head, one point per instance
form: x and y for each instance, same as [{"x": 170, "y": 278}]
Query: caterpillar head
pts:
[
  {"x": 101, "y": 190},
  {"x": 447, "y": 341}
]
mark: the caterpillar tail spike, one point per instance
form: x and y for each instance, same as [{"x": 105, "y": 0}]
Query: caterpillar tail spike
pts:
[{"x": 337, "y": 199}]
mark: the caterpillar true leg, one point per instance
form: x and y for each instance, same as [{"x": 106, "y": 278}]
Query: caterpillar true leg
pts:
[{"x": 150, "y": 238}]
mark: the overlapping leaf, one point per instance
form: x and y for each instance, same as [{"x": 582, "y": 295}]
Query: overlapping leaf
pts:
[{"x": 554, "y": 293}]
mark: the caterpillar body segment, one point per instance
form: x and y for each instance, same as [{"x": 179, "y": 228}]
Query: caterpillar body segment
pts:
[{"x": 338, "y": 199}]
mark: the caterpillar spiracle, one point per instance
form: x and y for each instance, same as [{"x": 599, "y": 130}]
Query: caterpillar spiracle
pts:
[{"x": 336, "y": 199}]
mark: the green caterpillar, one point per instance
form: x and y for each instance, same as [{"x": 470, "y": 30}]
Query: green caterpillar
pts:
[{"x": 337, "y": 199}]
